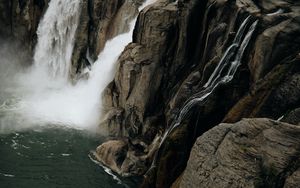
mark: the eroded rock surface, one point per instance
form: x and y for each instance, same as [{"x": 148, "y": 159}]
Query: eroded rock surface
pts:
[
  {"x": 176, "y": 47},
  {"x": 100, "y": 21},
  {"x": 250, "y": 153}
]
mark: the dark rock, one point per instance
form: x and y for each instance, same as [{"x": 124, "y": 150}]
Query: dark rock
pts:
[
  {"x": 174, "y": 51},
  {"x": 19, "y": 20},
  {"x": 292, "y": 117},
  {"x": 100, "y": 21},
  {"x": 176, "y": 47},
  {"x": 127, "y": 158}
]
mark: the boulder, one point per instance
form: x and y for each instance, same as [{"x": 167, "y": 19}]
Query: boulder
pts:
[
  {"x": 112, "y": 154},
  {"x": 249, "y": 153}
]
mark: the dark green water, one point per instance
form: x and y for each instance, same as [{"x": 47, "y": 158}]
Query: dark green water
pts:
[{"x": 53, "y": 158}]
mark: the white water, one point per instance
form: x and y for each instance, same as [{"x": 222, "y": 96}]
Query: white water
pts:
[
  {"x": 56, "y": 33},
  {"x": 146, "y": 3},
  {"x": 49, "y": 98},
  {"x": 279, "y": 11},
  {"x": 217, "y": 78}
]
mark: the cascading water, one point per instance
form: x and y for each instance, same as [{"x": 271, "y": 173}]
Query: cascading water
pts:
[
  {"x": 41, "y": 89},
  {"x": 43, "y": 96},
  {"x": 47, "y": 96},
  {"x": 56, "y": 33},
  {"x": 232, "y": 59},
  {"x": 37, "y": 87}
]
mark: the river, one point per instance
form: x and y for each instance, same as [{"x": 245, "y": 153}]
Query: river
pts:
[{"x": 46, "y": 157}]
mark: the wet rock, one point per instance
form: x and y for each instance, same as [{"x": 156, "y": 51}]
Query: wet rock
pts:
[
  {"x": 126, "y": 157},
  {"x": 112, "y": 154},
  {"x": 100, "y": 21},
  {"x": 20, "y": 19},
  {"x": 273, "y": 96},
  {"x": 176, "y": 47}
]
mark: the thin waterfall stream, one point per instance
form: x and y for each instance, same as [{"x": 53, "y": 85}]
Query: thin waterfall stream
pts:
[
  {"x": 149, "y": 93},
  {"x": 45, "y": 118},
  {"x": 231, "y": 60}
]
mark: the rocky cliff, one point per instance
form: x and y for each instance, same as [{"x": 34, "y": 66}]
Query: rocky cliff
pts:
[{"x": 176, "y": 47}]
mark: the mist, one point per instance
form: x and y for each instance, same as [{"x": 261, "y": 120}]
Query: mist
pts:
[
  {"x": 14, "y": 62},
  {"x": 33, "y": 97},
  {"x": 40, "y": 94}
]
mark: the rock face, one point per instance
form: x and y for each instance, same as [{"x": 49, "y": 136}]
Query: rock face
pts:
[
  {"x": 176, "y": 47},
  {"x": 250, "y": 153},
  {"x": 100, "y": 21},
  {"x": 20, "y": 19}
]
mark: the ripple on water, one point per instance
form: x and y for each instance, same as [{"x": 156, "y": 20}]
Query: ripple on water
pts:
[{"x": 26, "y": 162}]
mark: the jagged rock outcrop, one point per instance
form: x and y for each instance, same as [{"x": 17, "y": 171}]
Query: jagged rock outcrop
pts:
[
  {"x": 100, "y": 21},
  {"x": 123, "y": 158},
  {"x": 176, "y": 46},
  {"x": 112, "y": 154},
  {"x": 140, "y": 73},
  {"x": 250, "y": 153}
]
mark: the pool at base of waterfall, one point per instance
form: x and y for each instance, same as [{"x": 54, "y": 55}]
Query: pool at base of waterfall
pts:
[{"x": 53, "y": 157}]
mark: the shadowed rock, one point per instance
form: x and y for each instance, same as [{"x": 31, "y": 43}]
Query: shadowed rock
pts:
[
  {"x": 176, "y": 47},
  {"x": 292, "y": 117},
  {"x": 20, "y": 19}
]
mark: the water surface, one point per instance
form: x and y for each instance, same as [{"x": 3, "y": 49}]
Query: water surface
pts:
[{"x": 53, "y": 157}]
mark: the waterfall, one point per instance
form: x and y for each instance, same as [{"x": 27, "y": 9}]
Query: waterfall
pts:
[
  {"x": 45, "y": 96},
  {"x": 146, "y": 3},
  {"x": 232, "y": 60},
  {"x": 56, "y": 33}
]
